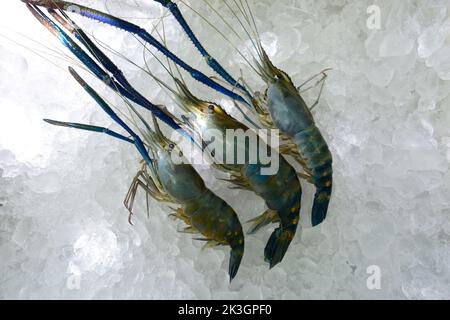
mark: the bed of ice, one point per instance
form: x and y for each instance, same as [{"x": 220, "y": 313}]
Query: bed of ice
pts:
[{"x": 385, "y": 113}]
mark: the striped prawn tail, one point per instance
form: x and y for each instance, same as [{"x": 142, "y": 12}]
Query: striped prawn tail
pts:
[
  {"x": 317, "y": 159},
  {"x": 323, "y": 193},
  {"x": 278, "y": 243}
]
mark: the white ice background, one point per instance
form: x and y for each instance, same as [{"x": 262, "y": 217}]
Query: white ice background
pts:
[{"x": 385, "y": 113}]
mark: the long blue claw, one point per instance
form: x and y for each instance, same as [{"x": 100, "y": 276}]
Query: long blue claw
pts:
[
  {"x": 97, "y": 70},
  {"x": 88, "y": 127},
  {"x": 213, "y": 63},
  {"x": 100, "y": 101},
  {"x": 102, "y": 58},
  {"x": 136, "y": 139}
]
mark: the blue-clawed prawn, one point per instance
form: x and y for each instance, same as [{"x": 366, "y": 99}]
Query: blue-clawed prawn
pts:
[
  {"x": 290, "y": 114},
  {"x": 284, "y": 204},
  {"x": 281, "y": 190},
  {"x": 177, "y": 183},
  {"x": 168, "y": 181},
  {"x": 281, "y": 107}
]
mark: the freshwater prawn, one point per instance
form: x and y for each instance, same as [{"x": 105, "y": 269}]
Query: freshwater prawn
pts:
[
  {"x": 163, "y": 179},
  {"x": 280, "y": 106},
  {"x": 280, "y": 190},
  {"x": 284, "y": 206}
]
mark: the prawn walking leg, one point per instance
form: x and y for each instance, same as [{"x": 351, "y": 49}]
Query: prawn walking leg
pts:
[
  {"x": 145, "y": 182},
  {"x": 321, "y": 81},
  {"x": 323, "y": 75}
]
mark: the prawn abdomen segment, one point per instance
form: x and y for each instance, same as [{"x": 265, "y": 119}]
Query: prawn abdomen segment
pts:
[
  {"x": 282, "y": 194},
  {"x": 202, "y": 210},
  {"x": 319, "y": 162},
  {"x": 214, "y": 218},
  {"x": 313, "y": 148},
  {"x": 219, "y": 224},
  {"x": 278, "y": 189}
]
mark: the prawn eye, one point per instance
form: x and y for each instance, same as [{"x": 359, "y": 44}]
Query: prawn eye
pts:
[
  {"x": 211, "y": 108},
  {"x": 171, "y": 146}
]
